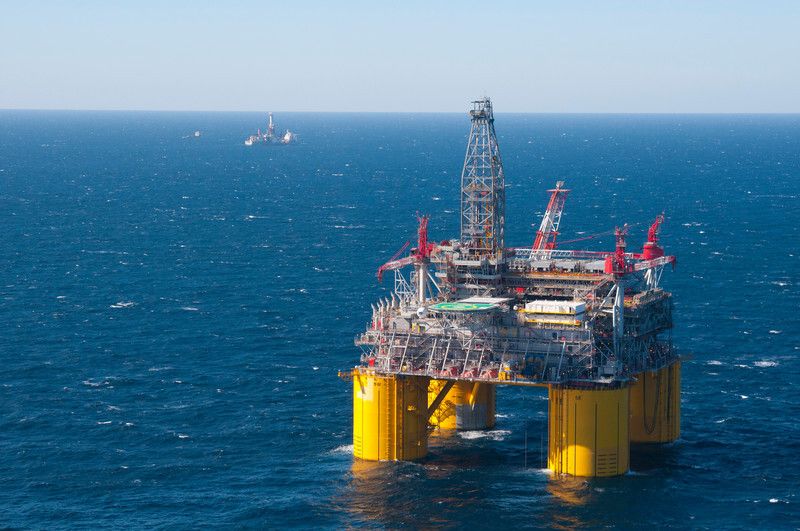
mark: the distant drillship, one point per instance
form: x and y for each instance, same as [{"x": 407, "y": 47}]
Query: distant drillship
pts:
[{"x": 269, "y": 136}]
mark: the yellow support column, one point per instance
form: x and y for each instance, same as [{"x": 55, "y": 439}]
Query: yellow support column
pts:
[
  {"x": 656, "y": 405},
  {"x": 389, "y": 416},
  {"x": 588, "y": 431},
  {"x": 467, "y": 406}
]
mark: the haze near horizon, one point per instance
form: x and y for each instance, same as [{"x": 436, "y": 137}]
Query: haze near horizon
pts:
[{"x": 677, "y": 57}]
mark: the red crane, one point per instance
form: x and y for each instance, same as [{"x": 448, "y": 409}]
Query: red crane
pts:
[
  {"x": 421, "y": 253},
  {"x": 651, "y": 249},
  {"x": 616, "y": 262},
  {"x": 548, "y": 230}
]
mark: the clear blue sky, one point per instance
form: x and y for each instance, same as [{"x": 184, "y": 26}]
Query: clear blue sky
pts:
[{"x": 548, "y": 56}]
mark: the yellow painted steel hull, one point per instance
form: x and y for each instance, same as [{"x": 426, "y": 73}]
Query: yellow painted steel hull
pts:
[
  {"x": 467, "y": 406},
  {"x": 588, "y": 431},
  {"x": 656, "y": 405},
  {"x": 389, "y": 416}
]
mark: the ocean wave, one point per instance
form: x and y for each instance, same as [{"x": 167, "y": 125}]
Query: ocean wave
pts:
[
  {"x": 766, "y": 363},
  {"x": 343, "y": 449},
  {"x": 95, "y": 383},
  {"x": 495, "y": 435}
]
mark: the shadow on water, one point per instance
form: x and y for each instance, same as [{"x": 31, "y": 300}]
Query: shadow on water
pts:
[
  {"x": 458, "y": 481},
  {"x": 648, "y": 458},
  {"x": 431, "y": 491},
  {"x": 588, "y": 503},
  {"x": 407, "y": 494},
  {"x": 451, "y": 485}
]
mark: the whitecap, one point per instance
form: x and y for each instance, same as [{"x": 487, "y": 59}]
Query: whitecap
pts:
[
  {"x": 182, "y": 436},
  {"x": 189, "y": 308},
  {"x": 496, "y": 435},
  {"x": 744, "y": 397},
  {"x": 766, "y": 363},
  {"x": 343, "y": 449},
  {"x": 533, "y": 470},
  {"x": 123, "y": 304},
  {"x": 713, "y": 362},
  {"x": 104, "y": 422},
  {"x": 775, "y": 331}
]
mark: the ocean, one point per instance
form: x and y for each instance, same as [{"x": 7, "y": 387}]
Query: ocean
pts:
[{"x": 174, "y": 311}]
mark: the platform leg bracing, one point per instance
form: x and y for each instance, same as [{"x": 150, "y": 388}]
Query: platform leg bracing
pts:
[
  {"x": 389, "y": 416},
  {"x": 467, "y": 406},
  {"x": 588, "y": 431},
  {"x": 656, "y": 405}
]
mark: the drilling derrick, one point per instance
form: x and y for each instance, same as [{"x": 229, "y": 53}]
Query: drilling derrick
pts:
[
  {"x": 592, "y": 327},
  {"x": 483, "y": 199}
]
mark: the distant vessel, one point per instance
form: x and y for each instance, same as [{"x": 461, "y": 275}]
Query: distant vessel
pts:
[
  {"x": 197, "y": 134},
  {"x": 269, "y": 136}
]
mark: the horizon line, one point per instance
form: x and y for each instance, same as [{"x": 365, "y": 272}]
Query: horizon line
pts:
[{"x": 633, "y": 113}]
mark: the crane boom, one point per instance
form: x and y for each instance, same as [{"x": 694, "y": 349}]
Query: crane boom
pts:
[
  {"x": 652, "y": 233},
  {"x": 395, "y": 264},
  {"x": 651, "y": 248},
  {"x": 420, "y": 255},
  {"x": 548, "y": 230}
]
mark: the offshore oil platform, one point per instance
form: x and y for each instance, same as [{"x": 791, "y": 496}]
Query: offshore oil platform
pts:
[
  {"x": 472, "y": 314},
  {"x": 269, "y": 136}
]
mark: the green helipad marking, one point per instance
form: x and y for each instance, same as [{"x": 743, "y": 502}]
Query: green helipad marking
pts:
[{"x": 461, "y": 306}]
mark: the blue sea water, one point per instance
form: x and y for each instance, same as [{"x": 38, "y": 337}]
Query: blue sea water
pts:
[{"x": 174, "y": 310}]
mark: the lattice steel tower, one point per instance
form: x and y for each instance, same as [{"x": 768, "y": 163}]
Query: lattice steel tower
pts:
[{"x": 483, "y": 197}]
